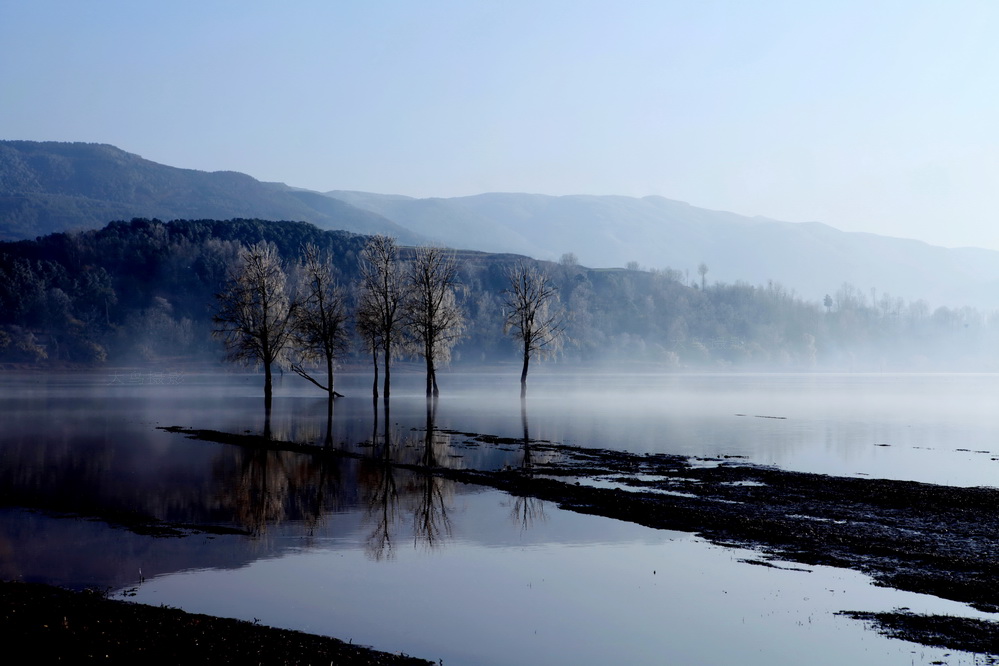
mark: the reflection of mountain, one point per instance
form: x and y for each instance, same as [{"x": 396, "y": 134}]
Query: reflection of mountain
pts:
[
  {"x": 81, "y": 459},
  {"x": 281, "y": 497},
  {"x": 95, "y": 452},
  {"x": 84, "y": 553}
]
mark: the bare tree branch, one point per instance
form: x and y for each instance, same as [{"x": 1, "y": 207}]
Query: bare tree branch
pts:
[{"x": 297, "y": 369}]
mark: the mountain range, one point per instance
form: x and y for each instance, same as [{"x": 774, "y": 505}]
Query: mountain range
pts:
[{"x": 47, "y": 187}]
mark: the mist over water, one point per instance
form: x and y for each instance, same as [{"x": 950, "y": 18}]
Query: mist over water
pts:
[
  {"x": 937, "y": 428},
  {"x": 438, "y": 569}
]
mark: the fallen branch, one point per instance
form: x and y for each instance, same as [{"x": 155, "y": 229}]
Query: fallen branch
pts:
[{"x": 300, "y": 371}]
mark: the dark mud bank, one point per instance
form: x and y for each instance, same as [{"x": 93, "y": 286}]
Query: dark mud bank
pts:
[{"x": 59, "y": 626}]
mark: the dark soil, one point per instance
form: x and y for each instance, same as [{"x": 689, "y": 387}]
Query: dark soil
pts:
[
  {"x": 938, "y": 540},
  {"x": 53, "y": 625},
  {"x": 955, "y": 633}
]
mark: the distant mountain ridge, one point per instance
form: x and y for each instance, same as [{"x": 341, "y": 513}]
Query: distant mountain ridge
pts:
[
  {"x": 49, "y": 186},
  {"x": 811, "y": 258}
]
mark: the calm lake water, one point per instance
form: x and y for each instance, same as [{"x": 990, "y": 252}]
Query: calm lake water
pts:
[{"x": 457, "y": 573}]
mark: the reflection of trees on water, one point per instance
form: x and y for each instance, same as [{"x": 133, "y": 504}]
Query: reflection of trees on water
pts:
[
  {"x": 431, "y": 524},
  {"x": 302, "y": 425},
  {"x": 527, "y": 510},
  {"x": 262, "y": 487},
  {"x": 258, "y": 489},
  {"x": 392, "y": 494},
  {"x": 381, "y": 494},
  {"x": 284, "y": 424},
  {"x": 268, "y": 487},
  {"x": 320, "y": 492}
]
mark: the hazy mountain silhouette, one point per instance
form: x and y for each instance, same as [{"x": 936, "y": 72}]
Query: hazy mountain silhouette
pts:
[
  {"x": 811, "y": 258},
  {"x": 48, "y": 186}
]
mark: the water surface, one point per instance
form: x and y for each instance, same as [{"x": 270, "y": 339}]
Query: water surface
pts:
[{"x": 455, "y": 572}]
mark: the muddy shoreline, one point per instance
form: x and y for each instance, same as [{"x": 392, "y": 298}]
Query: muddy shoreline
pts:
[{"x": 56, "y": 625}]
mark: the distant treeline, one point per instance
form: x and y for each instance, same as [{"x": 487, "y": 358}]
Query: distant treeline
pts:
[{"x": 144, "y": 291}]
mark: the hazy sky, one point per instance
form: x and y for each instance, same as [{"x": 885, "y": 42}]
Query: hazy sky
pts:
[{"x": 875, "y": 115}]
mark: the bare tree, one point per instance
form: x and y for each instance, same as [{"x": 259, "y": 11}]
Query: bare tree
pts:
[
  {"x": 702, "y": 269},
  {"x": 534, "y": 315},
  {"x": 432, "y": 314},
  {"x": 380, "y": 307},
  {"x": 254, "y": 312},
  {"x": 320, "y": 332}
]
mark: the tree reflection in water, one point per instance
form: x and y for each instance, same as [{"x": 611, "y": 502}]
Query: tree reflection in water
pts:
[
  {"x": 258, "y": 489},
  {"x": 381, "y": 493},
  {"x": 527, "y": 510},
  {"x": 321, "y": 492},
  {"x": 262, "y": 488},
  {"x": 391, "y": 495},
  {"x": 431, "y": 524}
]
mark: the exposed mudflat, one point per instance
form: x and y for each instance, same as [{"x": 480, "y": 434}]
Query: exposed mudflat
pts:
[{"x": 955, "y": 633}]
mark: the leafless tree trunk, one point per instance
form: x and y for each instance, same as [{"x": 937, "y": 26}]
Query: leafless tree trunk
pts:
[
  {"x": 534, "y": 315},
  {"x": 320, "y": 324},
  {"x": 254, "y": 312},
  {"x": 380, "y": 307},
  {"x": 433, "y": 317}
]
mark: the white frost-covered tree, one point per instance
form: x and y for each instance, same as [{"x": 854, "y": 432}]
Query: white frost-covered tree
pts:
[{"x": 254, "y": 311}]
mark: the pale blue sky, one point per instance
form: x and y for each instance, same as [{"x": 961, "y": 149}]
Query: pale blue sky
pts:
[{"x": 875, "y": 116}]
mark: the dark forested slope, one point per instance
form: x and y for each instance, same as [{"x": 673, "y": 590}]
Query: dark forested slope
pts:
[{"x": 144, "y": 290}]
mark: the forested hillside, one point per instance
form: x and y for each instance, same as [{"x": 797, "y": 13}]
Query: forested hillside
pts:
[{"x": 143, "y": 291}]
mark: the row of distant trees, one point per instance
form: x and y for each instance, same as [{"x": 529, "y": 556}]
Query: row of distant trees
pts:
[
  {"x": 143, "y": 291},
  {"x": 263, "y": 318}
]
